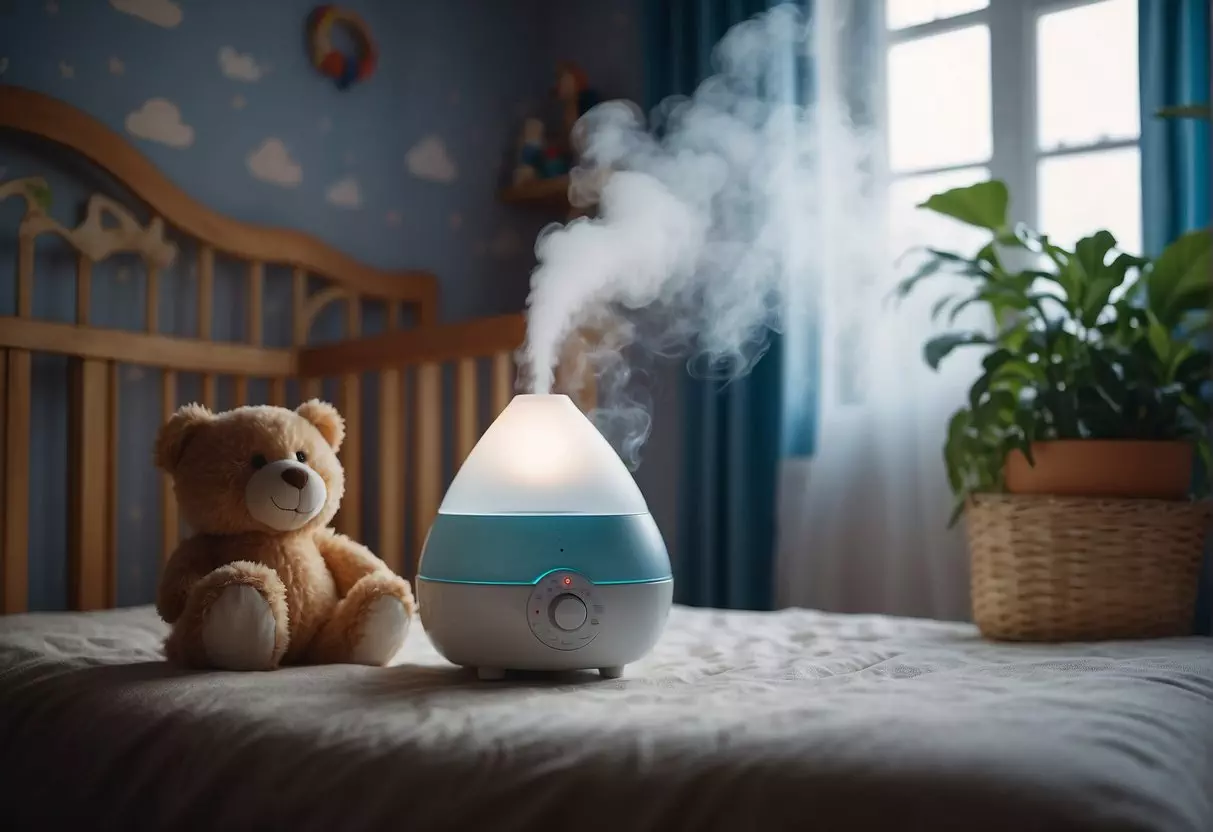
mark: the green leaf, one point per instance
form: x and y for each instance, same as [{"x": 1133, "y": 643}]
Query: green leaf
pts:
[
  {"x": 953, "y": 448},
  {"x": 1179, "y": 278},
  {"x": 1201, "y": 111},
  {"x": 1159, "y": 338},
  {"x": 941, "y": 305},
  {"x": 938, "y": 348},
  {"x": 1025, "y": 420},
  {"x": 983, "y": 205}
]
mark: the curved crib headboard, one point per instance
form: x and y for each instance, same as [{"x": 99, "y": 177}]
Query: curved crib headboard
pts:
[{"x": 94, "y": 355}]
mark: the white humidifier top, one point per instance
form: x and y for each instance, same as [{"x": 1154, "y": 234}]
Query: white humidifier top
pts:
[{"x": 543, "y": 456}]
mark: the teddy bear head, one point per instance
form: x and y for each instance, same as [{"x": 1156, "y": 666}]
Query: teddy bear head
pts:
[{"x": 263, "y": 469}]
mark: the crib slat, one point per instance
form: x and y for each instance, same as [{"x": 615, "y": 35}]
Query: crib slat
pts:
[
  {"x": 278, "y": 391},
  {"x": 170, "y": 525},
  {"x": 298, "y": 303},
  {"x": 84, "y": 288},
  {"x": 3, "y": 475},
  {"x": 25, "y": 276},
  {"x": 206, "y": 283},
  {"x": 112, "y": 501},
  {"x": 90, "y": 485},
  {"x": 391, "y": 471},
  {"x": 427, "y": 455},
  {"x": 15, "y": 552},
  {"x": 151, "y": 312},
  {"x": 16, "y": 482},
  {"x": 256, "y": 277},
  {"x": 309, "y": 388},
  {"x": 502, "y": 383},
  {"x": 466, "y": 411},
  {"x": 349, "y": 519}
]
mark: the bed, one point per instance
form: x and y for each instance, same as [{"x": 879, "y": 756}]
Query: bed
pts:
[
  {"x": 736, "y": 721},
  {"x": 771, "y": 721}
]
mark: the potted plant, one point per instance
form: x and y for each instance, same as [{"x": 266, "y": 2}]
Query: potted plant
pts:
[{"x": 1095, "y": 378}]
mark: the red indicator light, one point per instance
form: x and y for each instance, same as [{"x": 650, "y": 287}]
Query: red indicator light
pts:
[{"x": 568, "y": 581}]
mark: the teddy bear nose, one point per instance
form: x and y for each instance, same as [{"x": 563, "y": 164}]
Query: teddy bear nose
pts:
[{"x": 296, "y": 477}]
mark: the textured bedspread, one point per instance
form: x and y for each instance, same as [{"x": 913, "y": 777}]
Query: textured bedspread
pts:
[{"x": 738, "y": 721}]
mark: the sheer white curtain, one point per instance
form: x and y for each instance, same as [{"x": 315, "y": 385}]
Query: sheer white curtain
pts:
[{"x": 863, "y": 522}]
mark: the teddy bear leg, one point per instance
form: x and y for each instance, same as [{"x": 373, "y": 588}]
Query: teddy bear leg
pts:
[
  {"x": 368, "y": 625},
  {"x": 235, "y": 619}
]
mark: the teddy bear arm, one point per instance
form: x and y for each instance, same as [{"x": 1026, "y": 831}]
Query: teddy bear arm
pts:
[
  {"x": 347, "y": 560},
  {"x": 188, "y": 563}
]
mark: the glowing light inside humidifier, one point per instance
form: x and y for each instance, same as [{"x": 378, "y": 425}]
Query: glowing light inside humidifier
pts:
[{"x": 543, "y": 456}]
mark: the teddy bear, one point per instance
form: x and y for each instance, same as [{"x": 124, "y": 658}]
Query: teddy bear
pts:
[{"x": 264, "y": 581}]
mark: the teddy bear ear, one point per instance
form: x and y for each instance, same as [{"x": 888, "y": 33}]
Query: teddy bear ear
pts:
[
  {"x": 326, "y": 419},
  {"x": 176, "y": 433}
]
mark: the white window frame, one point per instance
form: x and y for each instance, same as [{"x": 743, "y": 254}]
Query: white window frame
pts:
[{"x": 1016, "y": 155}]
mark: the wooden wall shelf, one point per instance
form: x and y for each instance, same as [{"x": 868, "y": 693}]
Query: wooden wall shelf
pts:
[{"x": 547, "y": 193}]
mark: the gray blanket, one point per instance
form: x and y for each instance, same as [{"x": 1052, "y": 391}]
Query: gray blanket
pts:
[{"x": 738, "y": 721}]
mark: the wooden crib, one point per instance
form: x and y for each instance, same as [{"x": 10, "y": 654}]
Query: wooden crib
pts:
[{"x": 415, "y": 352}]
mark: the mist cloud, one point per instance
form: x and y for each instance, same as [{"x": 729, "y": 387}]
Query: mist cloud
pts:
[{"x": 710, "y": 225}]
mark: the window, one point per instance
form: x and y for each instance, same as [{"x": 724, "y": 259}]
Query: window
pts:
[{"x": 1039, "y": 93}]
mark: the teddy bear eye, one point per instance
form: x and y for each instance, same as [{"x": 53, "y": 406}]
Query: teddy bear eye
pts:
[
  {"x": 301, "y": 456},
  {"x": 259, "y": 460}
]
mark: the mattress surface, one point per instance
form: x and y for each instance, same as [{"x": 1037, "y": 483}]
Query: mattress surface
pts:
[{"x": 738, "y": 721}]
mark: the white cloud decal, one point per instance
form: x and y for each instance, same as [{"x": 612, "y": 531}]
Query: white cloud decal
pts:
[
  {"x": 272, "y": 162},
  {"x": 163, "y": 13},
  {"x": 239, "y": 67},
  {"x": 429, "y": 159},
  {"x": 344, "y": 193},
  {"x": 159, "y": 120}
]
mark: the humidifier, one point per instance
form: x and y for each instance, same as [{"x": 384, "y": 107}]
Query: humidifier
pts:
[{"x": 543, "y": 555}]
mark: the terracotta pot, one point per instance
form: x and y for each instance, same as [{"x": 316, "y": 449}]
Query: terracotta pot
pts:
[{"x": 1103, "y": 468}]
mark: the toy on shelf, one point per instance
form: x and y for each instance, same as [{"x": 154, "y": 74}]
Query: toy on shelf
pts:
[
  {"x": 574, "y": 93},
  {"x": 537, "y": 158},
  {"x": 542, "y": 163}
]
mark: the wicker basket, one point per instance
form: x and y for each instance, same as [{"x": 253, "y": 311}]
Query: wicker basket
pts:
[{"x": 1084, "y": 569}]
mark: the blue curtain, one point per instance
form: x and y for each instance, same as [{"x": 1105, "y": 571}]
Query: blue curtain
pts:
[
  {"x": 1174, "y": 60},
  {"x": 1175, "y": 177},
  {"x": 725, "y": 552}
]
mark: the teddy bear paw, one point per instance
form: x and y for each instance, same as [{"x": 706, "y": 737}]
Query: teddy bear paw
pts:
[
  {"x": 239, "y": 630},
  {"x": 384, "y": 626}
]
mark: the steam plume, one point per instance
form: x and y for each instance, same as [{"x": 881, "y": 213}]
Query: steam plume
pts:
[{"x": 709, "y": 226}]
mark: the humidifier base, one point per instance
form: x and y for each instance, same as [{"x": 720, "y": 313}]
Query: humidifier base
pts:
[{"x": 562, "y": 622}]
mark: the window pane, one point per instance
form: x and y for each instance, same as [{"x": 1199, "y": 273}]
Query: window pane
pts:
[
  {"x": 1087, "y": 76},
  {"x": 911, "y": 226},
  {"x": 939, "y": 100},
  {"x": 1087, "y": 192},
  {"x": 902, "y": 13}
]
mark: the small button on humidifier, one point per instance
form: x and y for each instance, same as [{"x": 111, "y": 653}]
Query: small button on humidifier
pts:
[{"x": 544, "y": 556}]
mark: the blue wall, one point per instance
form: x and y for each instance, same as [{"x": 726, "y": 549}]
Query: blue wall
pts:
[{"x": 454, "y": 78}]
